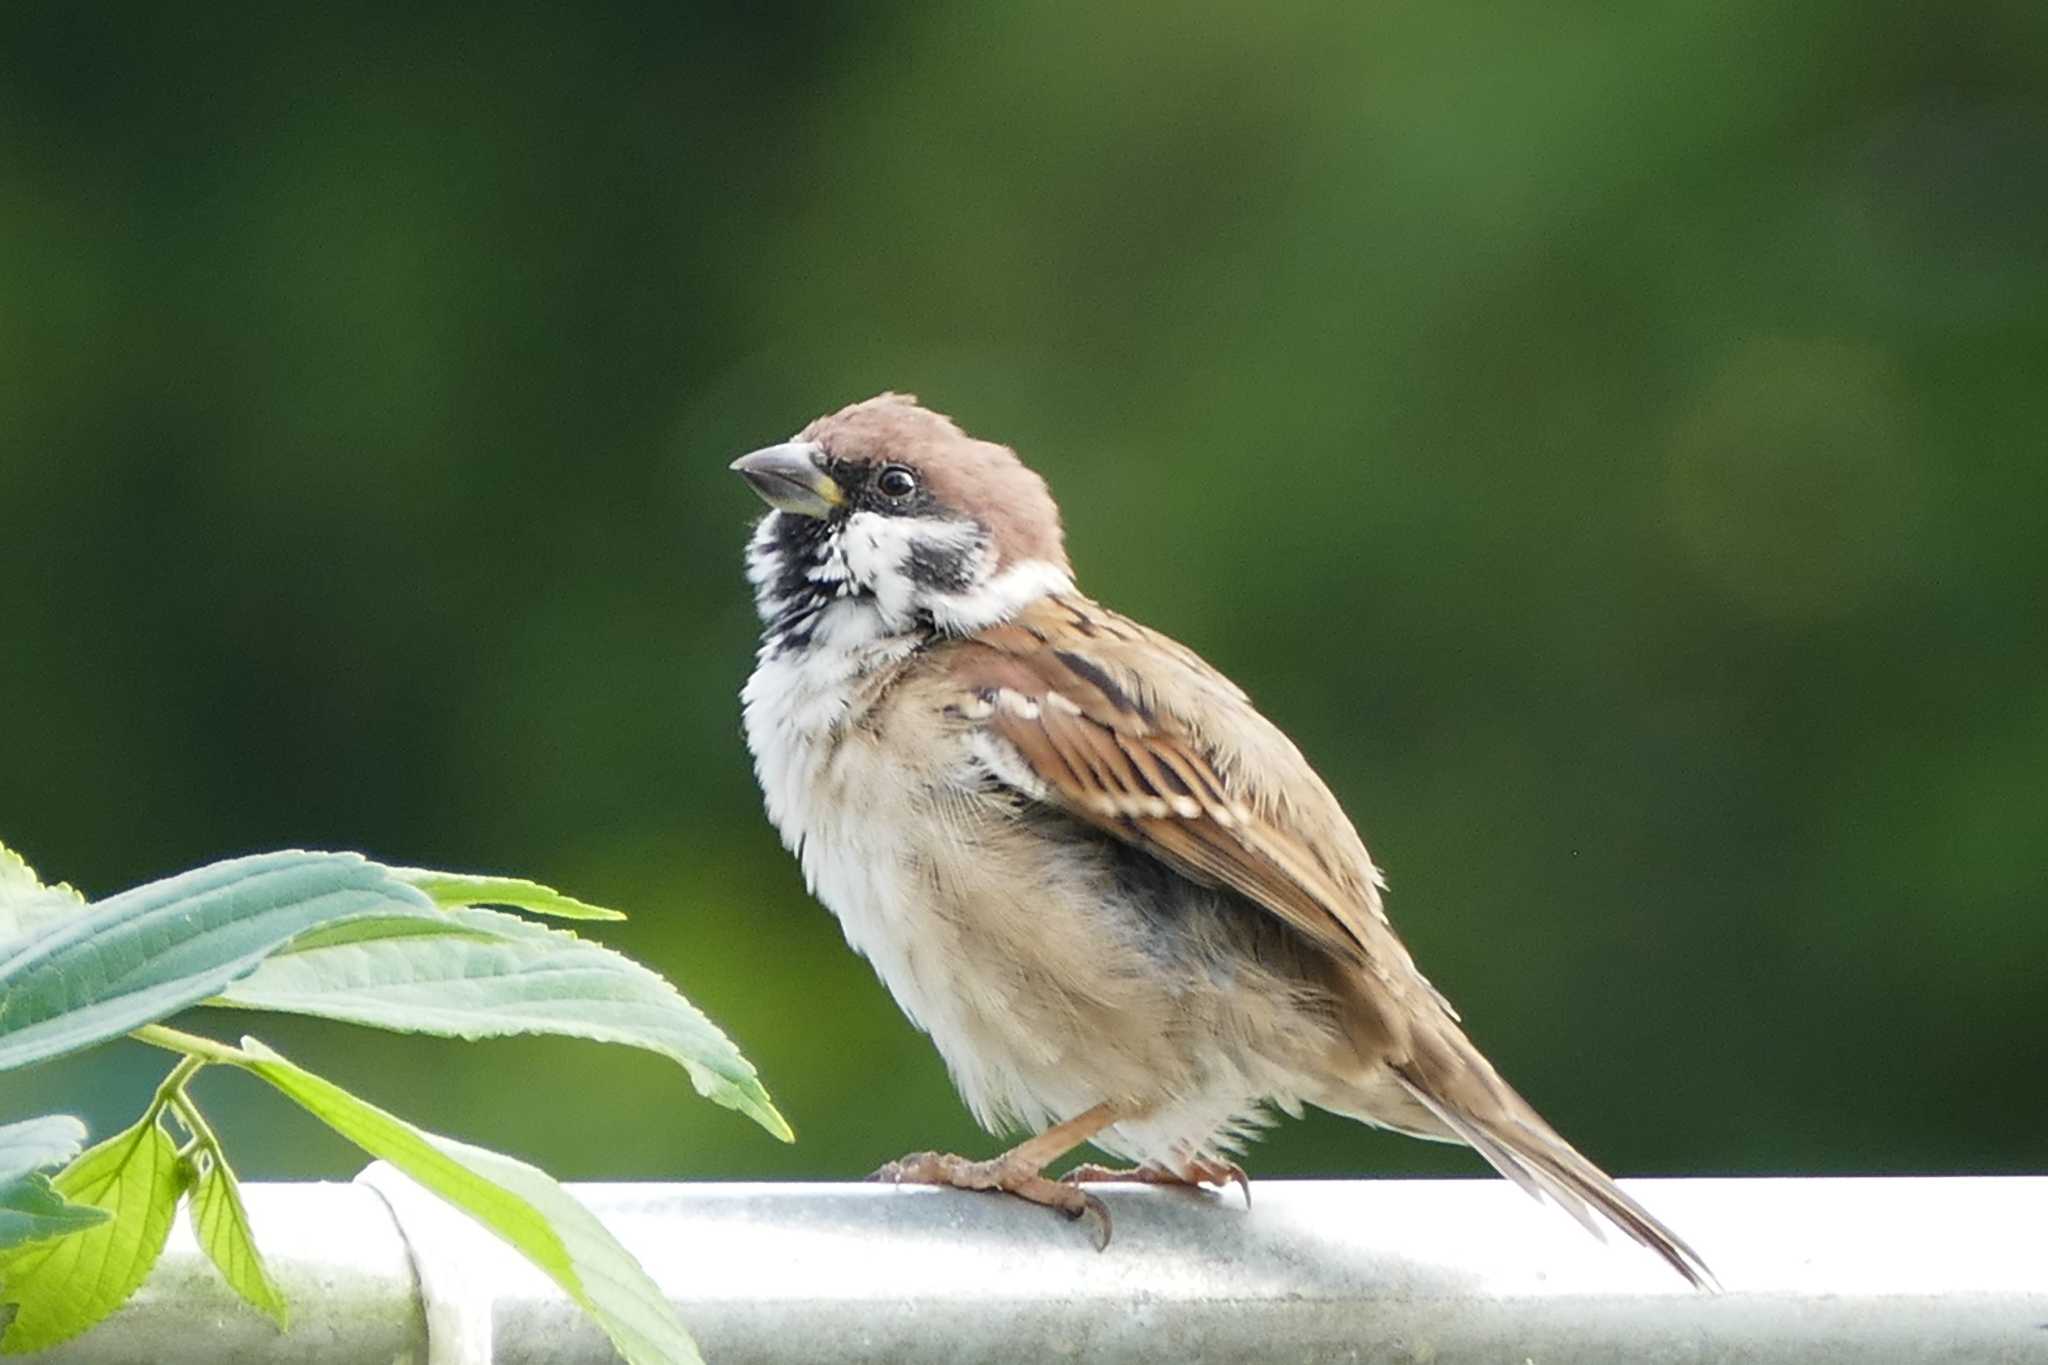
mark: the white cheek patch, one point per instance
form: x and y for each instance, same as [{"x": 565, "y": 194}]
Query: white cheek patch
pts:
[
  {"x": 877, "y": 551},
  {"x": 999, "y": 598}
]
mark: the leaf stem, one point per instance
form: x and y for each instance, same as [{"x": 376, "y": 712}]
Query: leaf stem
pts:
[
  {"x": 195, "y": 1123},
  {"x": 196, "y": 1050},
  {"x": 172, "y": 1086}
]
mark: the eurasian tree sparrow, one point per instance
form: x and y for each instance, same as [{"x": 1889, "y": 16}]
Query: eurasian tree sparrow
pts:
[{"x": 1119, "y": 900}]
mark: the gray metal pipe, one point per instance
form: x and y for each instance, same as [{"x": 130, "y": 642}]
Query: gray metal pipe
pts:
[{"x": 1445, "y": 1271}]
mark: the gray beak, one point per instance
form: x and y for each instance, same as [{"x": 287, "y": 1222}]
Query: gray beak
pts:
[{"x": 788, "y": 478}]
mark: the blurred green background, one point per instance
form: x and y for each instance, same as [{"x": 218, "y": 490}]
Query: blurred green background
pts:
[{"x": 1609, "y": 438}]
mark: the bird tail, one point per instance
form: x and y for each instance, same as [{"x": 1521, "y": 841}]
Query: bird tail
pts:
[{"x": 1460, "y": 1088}]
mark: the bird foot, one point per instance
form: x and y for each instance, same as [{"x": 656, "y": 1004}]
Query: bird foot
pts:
[
  {"x": 1192, "y": 1173},
  {"x": 999, "y": 1173}
]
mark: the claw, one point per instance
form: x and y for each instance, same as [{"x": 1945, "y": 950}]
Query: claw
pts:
[
  {"x": 1230, "y": 1174},
  {"x": 1091, "y": 1207}
]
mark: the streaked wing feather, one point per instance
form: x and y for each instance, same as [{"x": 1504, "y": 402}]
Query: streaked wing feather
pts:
[{"x": 1071, "y": 697}]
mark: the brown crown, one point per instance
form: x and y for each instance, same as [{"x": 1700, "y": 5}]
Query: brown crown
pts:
[{"x": 974, "y": 478}]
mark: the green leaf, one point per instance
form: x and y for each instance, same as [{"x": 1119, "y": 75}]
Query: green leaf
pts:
[
  {"x": 27, "y": 906},
  {"x": 63, "y": 1287},
  {"x": 457, "y": 890},
  {"x": 34, "y": 1144},
  {"x": 221, "y": 1225},
  {"x": 503, "y": 975},
  {"x": 358, "y": 930},
  {"x": 134, "y": 958},
  {"x": 517, "y": 1202},
  {"x": 31, "y": 1210}
]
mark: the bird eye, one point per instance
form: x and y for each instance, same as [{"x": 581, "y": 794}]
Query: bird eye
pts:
[{"x": 896, "y": 482}]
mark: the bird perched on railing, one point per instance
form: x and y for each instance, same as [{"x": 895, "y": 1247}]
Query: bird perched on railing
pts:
[{"x": 1119, "y": 900}]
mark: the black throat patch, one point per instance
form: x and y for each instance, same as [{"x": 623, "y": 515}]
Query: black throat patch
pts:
[{"x": 799, "y": 548}]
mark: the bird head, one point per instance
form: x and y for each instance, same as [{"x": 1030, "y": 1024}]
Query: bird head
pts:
[{"x": 893, "y": 509}]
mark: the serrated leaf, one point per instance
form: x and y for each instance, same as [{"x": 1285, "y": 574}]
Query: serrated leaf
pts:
[
  {"x": 64, "y": 1286},
  {"x": 26, "y": 905},
  {"x": 31, "y": 1210},
  {"x": 522, "y": 1205},
  {"x": 508, "y": 976},
  {"x": 457, "y": 890},
  {"x": 220, "y": 1223},
  {"x": 134, "y": 958}
]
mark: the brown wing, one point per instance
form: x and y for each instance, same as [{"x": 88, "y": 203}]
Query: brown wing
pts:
[{"x": 1136, "y": 735}]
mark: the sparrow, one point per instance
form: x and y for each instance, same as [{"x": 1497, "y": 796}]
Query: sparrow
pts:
[{"x": 1119, "y": 900}]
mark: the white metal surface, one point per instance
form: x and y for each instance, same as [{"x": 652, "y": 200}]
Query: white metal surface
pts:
[
  {"x": 457, "y": 1298},
  {"x": 1442, "y": 1271}
]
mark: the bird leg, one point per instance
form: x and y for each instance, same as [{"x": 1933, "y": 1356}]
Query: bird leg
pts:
[
  {"x": 1019, "y": 1171},
  {"x": 1197, "y": 1173}
]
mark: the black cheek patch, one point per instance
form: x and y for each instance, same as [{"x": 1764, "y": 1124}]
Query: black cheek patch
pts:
[{"x": 943, "y": 568}]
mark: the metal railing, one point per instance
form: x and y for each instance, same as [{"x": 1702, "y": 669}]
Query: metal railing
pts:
[{"x": 1816, "y": 1270}]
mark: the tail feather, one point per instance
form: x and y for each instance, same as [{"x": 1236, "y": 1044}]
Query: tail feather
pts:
[{"x": 1502, "y": 1127}]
